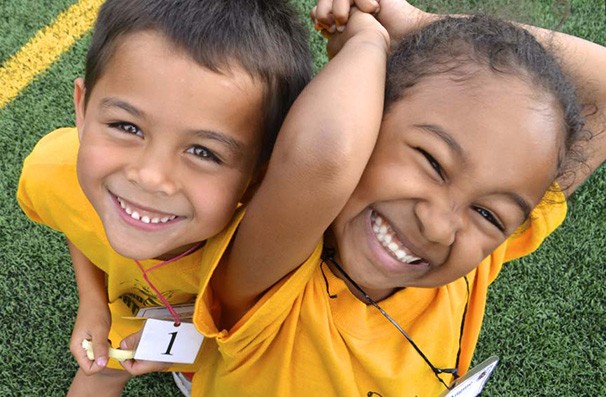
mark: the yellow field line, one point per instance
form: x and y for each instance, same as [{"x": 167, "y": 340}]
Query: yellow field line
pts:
[{"x": 45, "y": 47}]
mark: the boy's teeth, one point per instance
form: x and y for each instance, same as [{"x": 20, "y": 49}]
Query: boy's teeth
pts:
[
  {"x": 388, "y": 240},
  {"x": 145, "y": 219}
]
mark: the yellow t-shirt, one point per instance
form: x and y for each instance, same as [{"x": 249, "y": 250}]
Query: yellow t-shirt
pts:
[
  {"x": 299, "y": 341},
  {"x": 49, "y": 193}
]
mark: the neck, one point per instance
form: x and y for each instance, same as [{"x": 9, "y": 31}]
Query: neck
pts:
[{"x": 180, "y": 251}]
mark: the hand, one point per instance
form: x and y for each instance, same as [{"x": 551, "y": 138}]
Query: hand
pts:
[
  {"x": 139, "y": 367},
  {"x": 92, "y": 323},
  {"x": 359, "y": 22},
  {"x": 331, "y": 16},
  {"x": 397, "y": 16}
]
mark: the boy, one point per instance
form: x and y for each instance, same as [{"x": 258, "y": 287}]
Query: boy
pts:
[
  {"x": 445, "y": 187},
  {"x": 176, "y": 116}
]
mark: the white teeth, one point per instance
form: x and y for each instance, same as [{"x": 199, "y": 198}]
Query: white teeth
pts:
[
  {"x": 387, "y": 239},
  {"x": 145, "y": 219}
]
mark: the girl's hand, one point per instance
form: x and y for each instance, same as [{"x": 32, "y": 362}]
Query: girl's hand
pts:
[
  {"x": 359, "y": 24},
  {"x": 397, "y": 16},
  {"x": 139, "y": 367},
  {"x": 331, "y": 16},
  {"x": 92, "y": 323}
]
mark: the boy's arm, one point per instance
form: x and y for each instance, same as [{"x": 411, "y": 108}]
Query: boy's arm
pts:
[
  {"x": 582, "y": 60},
  {"x": 93, "y": 319},
  {"x": 321, "y": 151}
]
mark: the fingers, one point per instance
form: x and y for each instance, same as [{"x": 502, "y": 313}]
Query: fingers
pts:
[
  {"x": 340, "y": 12},
  {"x": 99, "y": 355},
  {"x": 88, "y": 365},
  {"x": 368, "y": 6},
  {"x": 323, "y": 22},
  {"x": 100, "y": 351},
  {"x": 131, "y": 341},
  {"x": 140, "y": 367}
]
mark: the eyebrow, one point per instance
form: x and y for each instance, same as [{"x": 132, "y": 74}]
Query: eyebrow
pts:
[
  {"x": 443, "y": 135},
  {"x": 233, "y": 144},
  {"x": 108, "y": 103},
  {"x": 521, "y": 202}
]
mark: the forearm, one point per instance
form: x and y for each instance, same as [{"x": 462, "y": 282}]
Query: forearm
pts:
[
  {"x": 318, "y": 159},
  {"x": 89, "y": 278}
]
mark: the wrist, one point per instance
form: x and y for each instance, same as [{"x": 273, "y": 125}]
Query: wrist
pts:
[{"x": 376, "y": 37}]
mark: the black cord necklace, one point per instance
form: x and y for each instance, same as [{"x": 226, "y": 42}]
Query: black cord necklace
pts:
[{"x": 328, "y": 255}]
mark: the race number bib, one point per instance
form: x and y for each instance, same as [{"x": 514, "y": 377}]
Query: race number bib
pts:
[
  {"x": 472, "y": 383},
  {"x": 165, "y": 342}
]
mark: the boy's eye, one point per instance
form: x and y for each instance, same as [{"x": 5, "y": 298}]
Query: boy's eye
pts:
[
  {"x": 434, "y": 164},
  {"x": 489, "y": 216},
  {"x": 204, "y": 153},
  {"x": 127, "y": 128}
]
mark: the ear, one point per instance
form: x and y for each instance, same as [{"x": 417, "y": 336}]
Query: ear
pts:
[
  {"x": 254, "y": 184},
  {"x": 79, "y": 104}
]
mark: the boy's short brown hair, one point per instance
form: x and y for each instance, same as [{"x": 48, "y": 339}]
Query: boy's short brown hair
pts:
[{"x": 263, "y": 37}]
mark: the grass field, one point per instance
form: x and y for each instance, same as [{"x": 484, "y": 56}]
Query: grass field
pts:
[{"x": 546, "y": 316}]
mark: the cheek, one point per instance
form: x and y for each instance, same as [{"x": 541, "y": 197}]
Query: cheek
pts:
[{"x": 218, "y": 198}]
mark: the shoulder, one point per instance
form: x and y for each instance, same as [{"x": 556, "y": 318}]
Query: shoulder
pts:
[
  {"x": 48, "y": 186},
  {"x": 59, "y": 147}
]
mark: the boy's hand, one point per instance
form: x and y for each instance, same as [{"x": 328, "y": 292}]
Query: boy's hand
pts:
[
  {"x": 397, "y": 16},
  {"x": 139, "y": 367},
  {"x": 92, "y": 323}
]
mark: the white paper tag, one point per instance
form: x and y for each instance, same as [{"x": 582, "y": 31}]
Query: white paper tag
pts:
[
  {"x": 185, "y": 312},
  {"x": 472, "y": 383},
  {"x": 165, "y": 342}
]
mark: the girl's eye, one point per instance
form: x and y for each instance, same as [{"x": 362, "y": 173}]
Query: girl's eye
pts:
[
  {"x": 204, "y": 153},
  {"x": 127, "y": 128},
  {"x": 484, "y": 213},
  {"x": 434, "y": 164}
]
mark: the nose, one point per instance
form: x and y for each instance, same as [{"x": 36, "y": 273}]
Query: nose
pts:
[
  {"x": 154, "y": 172},
  {"x": 439, "y": 220}
]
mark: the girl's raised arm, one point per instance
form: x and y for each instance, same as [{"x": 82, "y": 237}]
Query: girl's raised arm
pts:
[{"x": 320, "y": 154}]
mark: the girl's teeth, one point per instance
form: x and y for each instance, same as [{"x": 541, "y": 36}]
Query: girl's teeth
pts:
[
  {"x": 385, "y": 237},
  {"x": 135, "y": 215}
]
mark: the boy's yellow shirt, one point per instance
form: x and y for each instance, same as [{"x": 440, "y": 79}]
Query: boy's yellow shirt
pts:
[
  {"x": 49, "y": 193},
  {"x": 298, "y": 341}
]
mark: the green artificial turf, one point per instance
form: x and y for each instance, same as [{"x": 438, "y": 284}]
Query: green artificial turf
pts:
[{"x": 546, "y": 315}]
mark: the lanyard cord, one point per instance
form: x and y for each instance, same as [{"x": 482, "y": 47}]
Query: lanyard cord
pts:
[
  {"x": 164, "y": 301},
  {"x": 329, "y": 255}
]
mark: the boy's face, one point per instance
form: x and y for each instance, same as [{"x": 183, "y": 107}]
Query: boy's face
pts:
[
  {"x": 167, "y": 147},
  {"x": 456, "y": 169}
]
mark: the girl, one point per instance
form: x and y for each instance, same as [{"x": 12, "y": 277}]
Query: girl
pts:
[{"x": 389, "y": 301}]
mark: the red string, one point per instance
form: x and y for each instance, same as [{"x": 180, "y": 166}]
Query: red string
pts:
[{"x": 164, "y": 301}]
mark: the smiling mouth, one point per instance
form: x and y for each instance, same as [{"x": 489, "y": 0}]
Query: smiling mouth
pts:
[
  {"x": 389, "y": 240},
  {"x": 142, "y": 215}
]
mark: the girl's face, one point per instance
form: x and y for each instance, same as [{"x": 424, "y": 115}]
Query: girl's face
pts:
[{"x": 457, "y": 167}]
